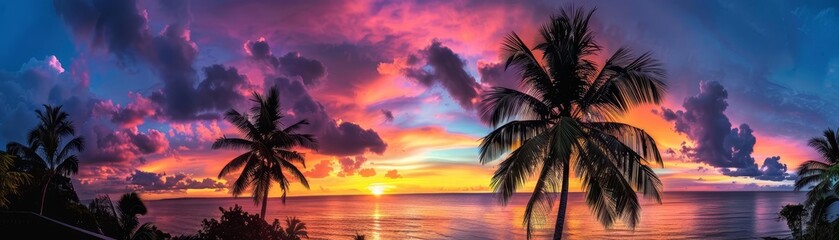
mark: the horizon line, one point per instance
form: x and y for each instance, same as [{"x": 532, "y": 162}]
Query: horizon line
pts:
[{"x": 436, "y": 193}]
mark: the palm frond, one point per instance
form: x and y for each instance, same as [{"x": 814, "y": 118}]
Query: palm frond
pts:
[
  {"x": 290, "y": 156},
  {"x": 625, "y": 84},
  {"x": 827, "y": 146},
  {"x": 628, "y": 162},
  {"x": 513, "y": 172},
  {"x": 243, "y": 124},
  {"x": 236, "y": 163},
  {"x": 534, "y": 76},
  {"x": 543, "y": 195},
  {"x": 68, "y": 166},
  {"x": 614, "y": 197},
  {"x": 74, "y": 145},
  {"x": 508, "y": 137},
  {"x": 295, "y": 173},
  {"x": 233, "y": 144},
  {"x": 635, "y": 138},
  {"x": 500, "y": 105}
]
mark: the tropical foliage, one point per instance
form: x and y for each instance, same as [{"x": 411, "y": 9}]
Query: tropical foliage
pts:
[
  {"x": 795, "y": 216},
  {"x": 820, "y": 177},
  {"x": 238, "y": 224},
  {"x": 121, "y": 221},
  {"x": 295, "y": 229},
  {"x": 10, "y": 180},
  {"x": 269, "y": 157},
  {"x": 564, "y": 117},
  {"x": 44, "y": 148}
]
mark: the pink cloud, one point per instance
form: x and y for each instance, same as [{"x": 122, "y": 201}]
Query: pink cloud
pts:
[
  {"x": 320, "y": 170},
  {"x": 393, "y": 174},
  {"x": 350, "y": 166},
  {"x": 367, "y": 172}
]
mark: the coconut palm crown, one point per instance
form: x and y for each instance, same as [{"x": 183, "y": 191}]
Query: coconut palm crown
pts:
[
  {"x": 565, "y": 117},
  {"x": 269, "y": 156}
]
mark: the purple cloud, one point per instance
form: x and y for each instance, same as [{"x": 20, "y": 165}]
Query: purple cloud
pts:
[{"x": 716, "y": 143}]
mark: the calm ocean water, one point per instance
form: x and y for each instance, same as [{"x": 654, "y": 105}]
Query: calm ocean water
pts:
[{"x": 683, "y": 215}]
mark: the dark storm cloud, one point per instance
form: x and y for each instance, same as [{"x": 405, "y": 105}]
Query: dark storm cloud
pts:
[
  {"x": 774, "y": 170},
  {"x": 449, "y": 71},
  {"x": 115, "y": 25},
  {"x": 494, "y": 74},
  {"x": 340, "y": 138},
  {"x": 40, "y": 82},
  {"x": 179, "y": 10},
  {"x": 175, "y": 65},
  {"x": 152, "y": 142},
  {"x": 309, "y": 70},
  {"x": 351, "y": 67},
  {"x": 122, "y": 147},
  {"x": 129, "y": 116},
  {"x": 388, "y": 115},
  {"x": 161, "y": 182},
  {"x": 291, "y": 64},
  {"x": 122, "y": 28},
  {"x": 220, "y": 89},
  {"x": 716, "y": 143},
  {"x": 260, "y": 50},
  {"x": 360, "y": 140}
]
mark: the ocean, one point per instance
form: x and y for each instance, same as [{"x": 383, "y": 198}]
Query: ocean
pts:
[{"x": 683, "y": 215}]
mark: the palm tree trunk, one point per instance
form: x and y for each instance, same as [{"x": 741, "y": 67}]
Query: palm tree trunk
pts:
[
  {"x": 44, "y": 194},
  {"x": 264, "y": 203},
  {"x": 563, "y": 203}
]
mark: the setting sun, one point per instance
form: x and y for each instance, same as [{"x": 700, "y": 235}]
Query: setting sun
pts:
[{"x": 378, "y": 189}]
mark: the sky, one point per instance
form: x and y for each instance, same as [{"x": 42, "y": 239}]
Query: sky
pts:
[{"x": 391, "y": 87}]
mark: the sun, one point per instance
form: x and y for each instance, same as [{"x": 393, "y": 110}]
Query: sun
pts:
[{"x": 377, "y": 190}]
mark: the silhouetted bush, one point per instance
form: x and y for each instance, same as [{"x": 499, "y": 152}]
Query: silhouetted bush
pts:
[{"x": 237, "y": 224}]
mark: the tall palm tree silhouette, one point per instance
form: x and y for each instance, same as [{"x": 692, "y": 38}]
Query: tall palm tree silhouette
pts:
[
  {"x": 565, "y": 118},
  {"x": 45, "y": 150},
  {"x": 269, "y": 156}
]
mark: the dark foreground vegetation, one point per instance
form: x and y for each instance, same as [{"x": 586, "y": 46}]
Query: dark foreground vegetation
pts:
[
  {"x": 811, "y": 219},
  {"x": 36, "y": 190}
]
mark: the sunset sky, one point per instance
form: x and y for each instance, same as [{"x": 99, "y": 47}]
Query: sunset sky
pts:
[{"x": 391, "y": 87}]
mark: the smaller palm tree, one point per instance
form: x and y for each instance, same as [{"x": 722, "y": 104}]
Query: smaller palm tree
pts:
[
  {"x": 821, "y": 175},
  {"x": 121, "y": 222},
  {"x": 44, "y": 149},
  {"x": 270, "y": 155},
  {"x": 10, "y": 180},
  {"x": 295, "y": 229},
  {"x": 794, "y": 215},
  {"x": 358, "y": 236}
]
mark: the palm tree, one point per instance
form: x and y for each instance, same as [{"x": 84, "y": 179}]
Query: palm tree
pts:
[
  {"x": 10, "y": 180},
  {"x": 358, "y": 237},
  {"x": 44, "y": 148},
  {"x": 794, "y": 215},
  {"x": 295, "y": 229},
  {"x": 121, "y": 221},
  {"x": 269, "y": 156},
  {"x": 821, "y": 175},
  {"x": 565, "y": 118}
]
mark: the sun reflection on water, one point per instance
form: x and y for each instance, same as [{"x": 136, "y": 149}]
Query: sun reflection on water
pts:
[{"x": 376, "y": 223}]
